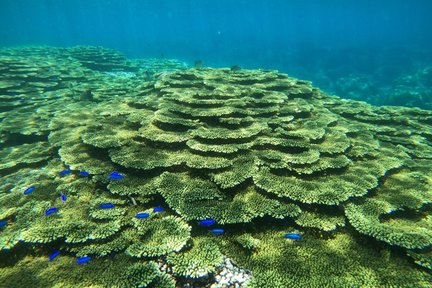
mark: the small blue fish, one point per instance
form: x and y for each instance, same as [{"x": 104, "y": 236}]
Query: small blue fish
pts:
[
  {"x": 51, "y": 211},
  {"x": 217, "y": 231},
  {"x": 158, "y": 209},
  {"x": 65, "y": 172},
  {"x": 63, "y": 197},
  {"x": 207, "y": 222},
  {"x": 293, "y": 236},
  {"x": 3, "y": 223},
  {"x": 83, "y": 260},
  {"x": 84, "y": 173},
  {"x": 115, "y": 176},
  {"x": 106, "y": 206},
  {"x": 29, "y": 190},
  {"x": 142, "y": 215},
  {"x": 54, "y": 255}
]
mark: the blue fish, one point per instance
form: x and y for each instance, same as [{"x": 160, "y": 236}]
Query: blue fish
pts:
[
  {"x": 217, "y": 231},
  {"x": 207, "y": 222},
  {"x": 51, "y": 211},
  {"x": 158, "y": 209},
  {"x": 65, "y": 172},
  {"x": 293, "y": 236},
  {"x": 142, "y": 215},
  {"x": 3, "y": 223},
  {"x": 115, "y": 176},
  {"x": 63, "y": 197},
  {"x": 54, "y": 255},
  {"x": 84, "y": 173},
  {"x": 29, "y": 190},
  {"x": 106, "y": 206},
  {"x": 83, "y": 260}
]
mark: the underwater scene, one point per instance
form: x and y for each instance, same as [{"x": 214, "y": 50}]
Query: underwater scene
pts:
[{"x": 215, "y": 144}]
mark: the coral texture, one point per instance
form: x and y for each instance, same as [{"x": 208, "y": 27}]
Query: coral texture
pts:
[{"x": 259, "y": 152}]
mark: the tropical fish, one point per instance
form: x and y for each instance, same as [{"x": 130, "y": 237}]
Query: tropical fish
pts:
[
  {"x": 54, "y": 255},
  {"x": 84, "y": 173},
  {"x": 115, "y": 176},
  {"x": 3, "y": 223},
  {"x": 51, "y": 211},
  {"x": 83, "y": 260},
  {"x": 29, "y": 190},
  {"x": 63, "y": 197},
  {"x": 207, "y": 222},
  {"x": 112, "y": 255},
  {"x": 106, "y": 206},
  {"x": 86, "y": 95},
  {"x": 158, "y": 209},
  {"x": 217, "y": 231},
  {"x": 293, "y": 236},
  {"x": 142, "y": 215},
  {"x": 198, "y": 63},
  {"x": 65, "y": 172}
]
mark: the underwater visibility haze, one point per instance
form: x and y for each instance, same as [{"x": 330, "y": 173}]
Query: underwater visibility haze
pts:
[{"x": 215, "y": 143}]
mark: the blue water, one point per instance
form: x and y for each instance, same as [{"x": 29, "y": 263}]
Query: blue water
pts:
[{"x": 317, "y": 40}]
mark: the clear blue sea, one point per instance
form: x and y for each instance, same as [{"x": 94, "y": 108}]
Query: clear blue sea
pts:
[{"x": 355, "y": 49}]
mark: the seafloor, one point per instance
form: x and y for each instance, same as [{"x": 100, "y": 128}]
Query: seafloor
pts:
[{"x": 263, "y": 154}]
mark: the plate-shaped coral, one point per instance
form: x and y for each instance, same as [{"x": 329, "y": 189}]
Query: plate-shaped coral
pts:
[{"x": 126, "y": 176}]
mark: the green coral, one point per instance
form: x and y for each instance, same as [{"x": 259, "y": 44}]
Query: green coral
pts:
[
  {"x": 64, "y": 272},
  {"x": 81, "y": 157},
  {"x": 134, "y": 185},
  {"x": 159, "y": 236},
  {"x": 102, "y": 248},
  {"x": 247, "y": 241},
  {"x": 340, "y": 261},
  {"x": 25, "y": 154},
  {"x": 199, "y": 261},
  {"x": 255, "y": 150},
  {"x": 101, "y": 59},
  {"x": 392, "y": 214},
  {"x": 242, "y": 169},
  {"x": 320, "y": 221},
  {"x": 119, "y": 135},
  {"x": 199, "y": 199},
  {"x": 422, "y": 258}
]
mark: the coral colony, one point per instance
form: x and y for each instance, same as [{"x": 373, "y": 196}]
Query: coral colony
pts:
[{"x": 178, "y": 178}]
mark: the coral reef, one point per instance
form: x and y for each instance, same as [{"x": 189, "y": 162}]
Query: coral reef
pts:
[
  {"x": 411, "y": 88},
  {"x": 101, "y": 59},
  {"x": 258, "y": 152}
]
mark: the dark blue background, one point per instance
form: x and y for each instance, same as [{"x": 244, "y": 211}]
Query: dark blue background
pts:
[{"x": 293, "y": 36}]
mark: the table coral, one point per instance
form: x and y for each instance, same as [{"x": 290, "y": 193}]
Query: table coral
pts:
[{"x": 260, "y": 153}]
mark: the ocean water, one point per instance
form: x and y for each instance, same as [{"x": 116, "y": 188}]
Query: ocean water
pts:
[
  {"x": 210, "y": 144},
  {"x": 355, "y": 49}
]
